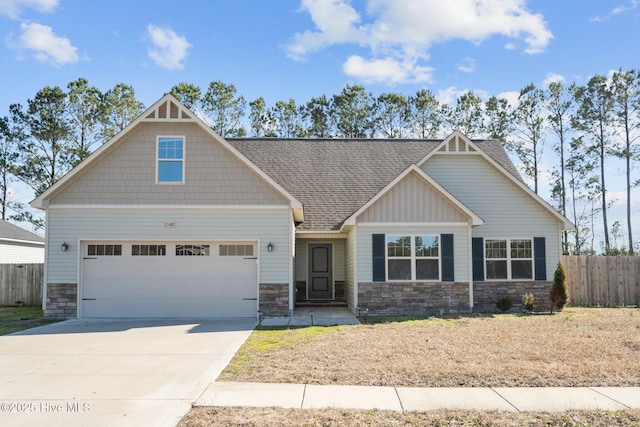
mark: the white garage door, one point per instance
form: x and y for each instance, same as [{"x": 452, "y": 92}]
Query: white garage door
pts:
[{"x": 169, "y": 279}]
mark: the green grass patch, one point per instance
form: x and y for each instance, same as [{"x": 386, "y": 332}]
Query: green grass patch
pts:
[
  {"x": 274, "y": 338},
  {"x": 270, "y": 339},
  {"x": 14, "y": 319}
]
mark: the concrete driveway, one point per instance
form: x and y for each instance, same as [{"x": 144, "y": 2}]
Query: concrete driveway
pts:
[{"x": 113, "y": 372}]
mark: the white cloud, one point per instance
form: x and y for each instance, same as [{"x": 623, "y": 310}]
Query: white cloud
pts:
[
  {"x": 336, "y": 22},
  {"x": 403, "y": 31},
  {"x": 387, "y": 70},
  {"x": 449, "y": 95},
  {"x": 510, "y": 96},
  {"x": 47, "y": 46},
  {"x": 553, "y": 78},
  {"x": 12, "y": 8},
  {"x": 468, "y": 65},
  {"x": 633, "y": 4},
  {"x": 618, "y": 10},
  {"x": 169, "y": 50}
]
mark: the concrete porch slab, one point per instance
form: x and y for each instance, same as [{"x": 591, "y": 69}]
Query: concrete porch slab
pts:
[{"x": 314, "y": 316}]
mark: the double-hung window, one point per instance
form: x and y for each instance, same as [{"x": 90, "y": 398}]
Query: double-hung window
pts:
[
  {"x": 413, "y": 258},
  {"x": 170, "y": 166},
  {"x": 509, "y": 259}
]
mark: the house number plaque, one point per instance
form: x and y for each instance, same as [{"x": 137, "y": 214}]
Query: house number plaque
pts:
[{"x": 170, "y": 225}]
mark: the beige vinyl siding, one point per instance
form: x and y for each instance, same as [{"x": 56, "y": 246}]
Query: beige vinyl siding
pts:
[
  {"x": 507, "y": 211},
  {"x": 338, "y": 257},
  {"x": 191, "y": 224},
  {"x": 126, "y": 174},
  {"x": 412, "y": 200},
  {"x": 18, "y": 253},
  {"x": 460, "y": 246}
]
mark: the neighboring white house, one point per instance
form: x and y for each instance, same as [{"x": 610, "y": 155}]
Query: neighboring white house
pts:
[
  {"x": 169, "y": 219},
  {"x": 18, "y": 246}
]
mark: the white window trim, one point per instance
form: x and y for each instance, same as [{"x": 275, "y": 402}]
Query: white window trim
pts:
[
  {"x": 413, "y": 258},
  {"x": 509, "y": 259},
  {"x": 183, "y": 160}
]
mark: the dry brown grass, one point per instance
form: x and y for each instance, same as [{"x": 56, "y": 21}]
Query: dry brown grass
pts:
[
  {"x": 267, "y": 417},
  {"x": 577, "y": 347}
]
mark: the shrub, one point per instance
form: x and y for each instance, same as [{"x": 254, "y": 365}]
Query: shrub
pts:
[
  {"x": 504, "y": 304},
  {"x": 560, "y": 291},
  {"x": 529, "y": 302}
]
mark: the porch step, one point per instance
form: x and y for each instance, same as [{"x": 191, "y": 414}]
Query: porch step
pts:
[{"x": 321, "y": 304}]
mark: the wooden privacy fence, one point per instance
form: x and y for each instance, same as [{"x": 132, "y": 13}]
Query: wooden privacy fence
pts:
[
  {"x": 21, "y": 282},
  {"x": 603, "y": 280}
]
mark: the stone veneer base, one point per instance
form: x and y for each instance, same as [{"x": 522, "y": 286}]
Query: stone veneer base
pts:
[
  {"x": 274, "y": 299},
  {"x": 423, "y": 298},
  {"x": 407, "y": 298},
  {"x": 62, "y": 300}
]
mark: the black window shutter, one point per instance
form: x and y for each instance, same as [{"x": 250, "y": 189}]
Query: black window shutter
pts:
[
  {"x": 446, "y": 245},
  {"x": 379, "y": 267},
  {"x": 540, "y": 258},
  {"x": 477, "y": 257}
]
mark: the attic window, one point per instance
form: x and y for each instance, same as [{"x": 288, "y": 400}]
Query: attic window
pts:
[{"x": 170, "y": 162}]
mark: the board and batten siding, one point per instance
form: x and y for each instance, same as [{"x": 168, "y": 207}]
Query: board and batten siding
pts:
[
  {"x": 302, "y": 258},
  {"x": 21, "y": 253},
  {"x": 507, "y": 211},
  {"x": 126, "y": 174},
  {"x": 412, "y": 200},
  {"x": 460, "y": 246},
  {"x": 266, "y": 224}
]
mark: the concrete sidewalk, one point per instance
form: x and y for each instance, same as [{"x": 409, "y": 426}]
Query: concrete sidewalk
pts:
[{"x": 548, "y": 399}]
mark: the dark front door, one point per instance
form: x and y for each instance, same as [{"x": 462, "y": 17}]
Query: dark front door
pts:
[{"x": 320, "y": 283}]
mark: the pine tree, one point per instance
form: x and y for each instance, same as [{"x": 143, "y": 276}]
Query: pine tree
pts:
[{"x": 560, "y": 291}]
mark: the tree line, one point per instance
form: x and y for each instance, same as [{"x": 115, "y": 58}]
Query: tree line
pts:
[{"x": 585, "y": 126}]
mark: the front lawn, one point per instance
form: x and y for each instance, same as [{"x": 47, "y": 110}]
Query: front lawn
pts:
[
  {"x": 577, "y": 347},
  {"x": 14, "y": 319}
]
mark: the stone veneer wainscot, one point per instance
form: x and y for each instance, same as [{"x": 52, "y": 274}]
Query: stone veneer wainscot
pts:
[
  {"x": 274, "y": 299},
  {"x": 62, "y": 300}
]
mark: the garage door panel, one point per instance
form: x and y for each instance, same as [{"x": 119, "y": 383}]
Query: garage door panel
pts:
[
  {"x": 169, "y": 285},
  {"x": 163, "y": 307}
]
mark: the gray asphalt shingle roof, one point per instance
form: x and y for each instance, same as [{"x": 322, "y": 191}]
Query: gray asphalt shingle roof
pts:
[
  {"x": 333, "y": 178},
  {"x": 13, "y": 232}
]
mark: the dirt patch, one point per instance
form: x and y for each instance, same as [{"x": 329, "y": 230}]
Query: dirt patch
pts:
[
  {"x": 247, "y": 417},
  {"x": 577, "y": 347}
]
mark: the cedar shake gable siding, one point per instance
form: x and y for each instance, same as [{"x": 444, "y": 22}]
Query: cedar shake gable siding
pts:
[{"x": 126, "y": 174}]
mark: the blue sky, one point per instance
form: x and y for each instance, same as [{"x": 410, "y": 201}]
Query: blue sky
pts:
[{"x": 282, "y": 49}]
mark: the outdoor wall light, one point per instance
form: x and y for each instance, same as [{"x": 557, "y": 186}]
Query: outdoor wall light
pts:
[
  {"x": 270, "y": 247},
  {"x": 65, "y": 247}
]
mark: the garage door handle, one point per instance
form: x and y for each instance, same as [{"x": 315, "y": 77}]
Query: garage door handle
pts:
[
  {"x": 88, "y": 258},
  {"x": 255, "y": 257},
  {"x": 249, "y": 299},
  {"x": 88, "y": 299}
]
